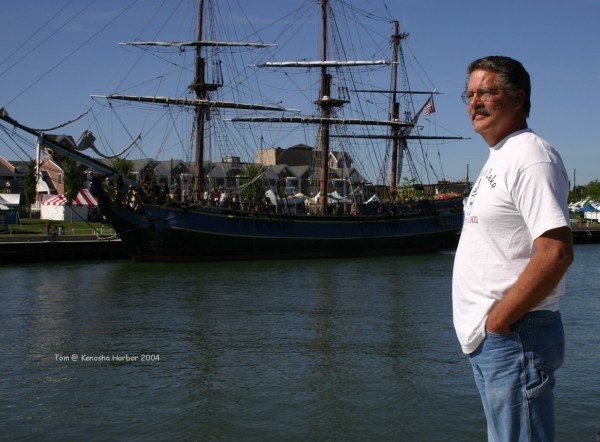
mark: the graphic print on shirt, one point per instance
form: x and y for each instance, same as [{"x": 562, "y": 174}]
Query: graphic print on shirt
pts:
[
  {"x": 471, "y": 219},
  {"x": 490, "y": 178}
]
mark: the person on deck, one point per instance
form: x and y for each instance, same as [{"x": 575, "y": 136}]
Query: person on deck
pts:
[{"x": 512, "y": 257}]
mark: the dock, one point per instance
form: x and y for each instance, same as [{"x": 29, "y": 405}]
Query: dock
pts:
[
  {"x": 43, "y": 248},
  {"x": 46, "y": 248},
  {"x": 586, "y": 234}
]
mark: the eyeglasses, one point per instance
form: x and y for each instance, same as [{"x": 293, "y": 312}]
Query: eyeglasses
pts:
[{"x": 484, "y": 94}]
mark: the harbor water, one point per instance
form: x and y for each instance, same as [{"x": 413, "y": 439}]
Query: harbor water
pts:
[{"x": 322, "y": 350}]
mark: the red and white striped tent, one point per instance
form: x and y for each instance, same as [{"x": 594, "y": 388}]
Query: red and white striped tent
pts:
[{"x": 55, "y": 207}]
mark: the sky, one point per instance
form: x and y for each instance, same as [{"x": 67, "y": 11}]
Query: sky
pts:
[{"x": 56, "y": 53}]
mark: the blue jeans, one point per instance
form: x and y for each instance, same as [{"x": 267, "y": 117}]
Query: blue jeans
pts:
[{"x": 514, "y": 374}]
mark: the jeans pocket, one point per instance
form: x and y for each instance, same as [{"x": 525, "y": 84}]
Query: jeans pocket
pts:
[
  {"x": 541, "y": 381},
  {"x": 498, "y": 335}
]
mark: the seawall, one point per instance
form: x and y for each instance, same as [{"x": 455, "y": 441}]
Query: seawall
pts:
[{"x": 23, "y": 249}]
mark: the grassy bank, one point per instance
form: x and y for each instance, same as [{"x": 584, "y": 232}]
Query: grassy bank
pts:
[{"x": 32, "y": 226}]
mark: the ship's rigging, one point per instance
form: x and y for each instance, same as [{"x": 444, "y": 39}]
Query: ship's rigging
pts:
[
  {"x": 163, "y": 225},
  {"x": 334, "y": 65},
  {"x": 401, "y": 123}
]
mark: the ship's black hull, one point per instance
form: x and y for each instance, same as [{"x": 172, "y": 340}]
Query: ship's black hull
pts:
[{"x": 165, "y": 232}]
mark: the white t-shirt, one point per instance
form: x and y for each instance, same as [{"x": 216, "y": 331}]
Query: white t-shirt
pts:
[{"x": 521, "y": 193}]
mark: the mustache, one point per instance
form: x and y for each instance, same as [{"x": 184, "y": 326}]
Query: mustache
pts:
[{"x": 480, "y": 111}]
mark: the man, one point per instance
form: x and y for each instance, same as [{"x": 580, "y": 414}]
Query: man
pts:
[{"x": 514, "y": 251}]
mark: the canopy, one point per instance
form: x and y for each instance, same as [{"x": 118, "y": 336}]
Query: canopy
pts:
[
  {"x": 10, "y": 199},
  {"x": 83, "y": 198},
  {"x": 9, "y": 205},
  {"x": 333, "y": 197},
  {"x": 587, "y": 208},
  {"x": 55, "y": 207}
]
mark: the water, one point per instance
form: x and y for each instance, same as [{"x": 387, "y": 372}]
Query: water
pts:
[{"x": 295, "y": 351}]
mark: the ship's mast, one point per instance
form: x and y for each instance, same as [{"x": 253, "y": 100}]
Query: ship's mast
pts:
[
  {"x": 325, "y": 111},
  {"x": 395, "y": 111},
  {"x": 200, "y": 88},
  {"x": 326, "y": 103}
]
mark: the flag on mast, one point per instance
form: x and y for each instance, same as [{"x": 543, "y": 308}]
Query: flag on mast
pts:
[{"x": 430, "y": 108}]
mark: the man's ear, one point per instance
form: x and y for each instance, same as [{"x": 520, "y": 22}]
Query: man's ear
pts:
[{"x": 518, "y": 97}]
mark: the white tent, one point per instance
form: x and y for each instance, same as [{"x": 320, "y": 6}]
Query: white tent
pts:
[
  {"x": 55, "y": 207},
  {"x": 333, "y": 197},
  {"x": 10, "y": 199},
  {"x": 9, "y": 207},
  {"x": 587, "y": 208}
]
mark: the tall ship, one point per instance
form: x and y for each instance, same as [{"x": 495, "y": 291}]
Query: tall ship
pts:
[{"x": 331, "y": 214}]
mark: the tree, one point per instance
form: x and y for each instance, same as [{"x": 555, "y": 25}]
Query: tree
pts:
[
  {"x": 591, "y": 191},
  {"x": 72, "y": 180},
  {"x": 30, "y": 184},
  {"x": 253, "y": 188},
  {"x": 123, "y": 166}
]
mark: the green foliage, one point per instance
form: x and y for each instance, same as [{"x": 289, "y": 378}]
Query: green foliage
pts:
[
  {"x": 410, "y": 188},
  {"x": 253, "y": 186},
  {"x": 123, "y": 166},
  {"x": 72, "y": 180},
  {"x": 591, "y": 190},
  {"x": 30, "y": 183}
]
